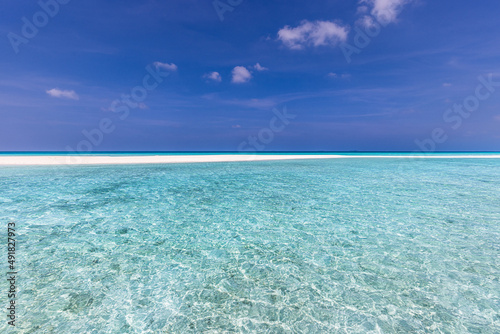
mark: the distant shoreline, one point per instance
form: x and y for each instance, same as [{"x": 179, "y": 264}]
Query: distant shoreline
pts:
[{"x": 124, "y": 159}]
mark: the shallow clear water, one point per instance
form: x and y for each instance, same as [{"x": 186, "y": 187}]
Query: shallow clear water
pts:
[{"x": 317, "y": 246}]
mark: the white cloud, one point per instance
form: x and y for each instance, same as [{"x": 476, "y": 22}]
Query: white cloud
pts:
[
  {"x": 63, "y": 94},
  {"x": 317, "y": 33},
  {"x": 215, "y": 76},
  {"x": 367, "y": 21},
  {"x": 165, "y": 66},
  {"x": 446, "y": 84},
  {"x": 260, "y": 68},
  {"x": 241, "y": 75},
  {"x": 362, "y": 10},
  {"x": 386, "y": 11},
  {"x": 335, "y": 75}
]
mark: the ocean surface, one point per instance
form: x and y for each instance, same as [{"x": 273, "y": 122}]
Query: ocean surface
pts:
[{"x": 312, "y": 246}]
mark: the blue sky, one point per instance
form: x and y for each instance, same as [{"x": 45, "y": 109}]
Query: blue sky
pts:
[{"x": 223, "y": 82}]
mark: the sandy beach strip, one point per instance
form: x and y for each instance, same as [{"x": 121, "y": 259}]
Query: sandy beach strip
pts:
[
  {"x": 33, "y": 160},
  {"x": 12, "y": 160}
]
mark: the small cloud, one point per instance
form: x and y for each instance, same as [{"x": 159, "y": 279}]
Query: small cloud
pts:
[
  {"x": 169, "y": 67},
  {"x": 497, "y": 118},
  {"x": 237, "y": 126},
  {"x": 362, "y": 10},
  {"x": 63, "y": 94},
  {"x": 214, "y": 76},
  {"x": 318, "y": 33},
  {"x": 260, "y": 68},
  {"x": 446, "y": 84},
  {"x": 142, "y": 106},
  {"x": 241, "y": 75},
  {"x": 386, "y": 11},
  {"x": 335, "y": 75},
  {"x": 366, "y": 22}
]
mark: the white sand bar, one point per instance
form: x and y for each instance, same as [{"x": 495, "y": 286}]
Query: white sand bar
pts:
[
  {"x": 143, "y": 159},
  {"x": 19, "y": 160}
]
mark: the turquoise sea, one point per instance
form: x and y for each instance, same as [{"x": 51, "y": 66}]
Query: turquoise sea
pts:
[{"x": 314, "y": 246}]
